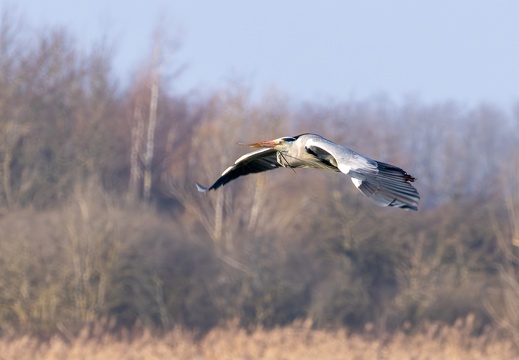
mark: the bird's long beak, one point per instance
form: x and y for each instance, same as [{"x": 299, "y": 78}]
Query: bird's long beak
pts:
[{"x": 265, "y": 144}]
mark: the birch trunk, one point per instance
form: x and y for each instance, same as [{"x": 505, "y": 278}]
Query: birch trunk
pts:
[{"x": 152, "y": 123}]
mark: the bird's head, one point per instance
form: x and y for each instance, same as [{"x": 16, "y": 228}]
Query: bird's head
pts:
[{"x": 281, "y": 144}]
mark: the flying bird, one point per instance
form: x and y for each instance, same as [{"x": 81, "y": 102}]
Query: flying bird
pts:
[{"x": 386, "y": 184}]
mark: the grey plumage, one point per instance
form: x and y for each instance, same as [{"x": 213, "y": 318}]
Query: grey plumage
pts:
[{"x": 386, "y": 184}]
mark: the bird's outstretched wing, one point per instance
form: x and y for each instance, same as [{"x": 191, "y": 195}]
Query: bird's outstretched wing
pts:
[
  {"x": 253, "y": 162},
  {"x": 386, "y": 184},
  {"x": 389, "y": 186}
]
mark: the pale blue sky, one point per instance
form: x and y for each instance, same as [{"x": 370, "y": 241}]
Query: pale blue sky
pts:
[{"x": 462, "y": 50}]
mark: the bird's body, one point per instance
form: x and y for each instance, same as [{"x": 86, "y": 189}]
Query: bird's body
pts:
[{"x": 386, "y": 184}]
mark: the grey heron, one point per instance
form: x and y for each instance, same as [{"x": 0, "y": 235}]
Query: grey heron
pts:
[{"x": 386, "y": 184}]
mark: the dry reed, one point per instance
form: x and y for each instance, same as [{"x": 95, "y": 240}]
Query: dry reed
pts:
[{"x": 294, "y": 342}]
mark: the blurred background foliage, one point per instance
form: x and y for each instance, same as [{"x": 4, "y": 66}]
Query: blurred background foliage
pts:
[{"x": 100, "y": 218}]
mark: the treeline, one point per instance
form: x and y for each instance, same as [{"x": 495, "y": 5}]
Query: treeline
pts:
[{"x": 100, "y": 220}]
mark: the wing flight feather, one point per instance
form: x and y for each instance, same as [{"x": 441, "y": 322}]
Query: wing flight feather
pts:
[{"x": 253, "y": 162}]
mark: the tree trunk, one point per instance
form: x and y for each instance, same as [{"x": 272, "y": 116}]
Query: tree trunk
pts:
[
  {"x": 6, "y": 179},
  {"x": 150, "y": 135},
  {"x": 135, "y": 170}
]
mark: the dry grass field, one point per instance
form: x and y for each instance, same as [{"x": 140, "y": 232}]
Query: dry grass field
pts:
[{"x": 294, "y": 342}]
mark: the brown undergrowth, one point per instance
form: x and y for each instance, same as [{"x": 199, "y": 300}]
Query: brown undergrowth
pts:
[{"x": 297, "y": 341}]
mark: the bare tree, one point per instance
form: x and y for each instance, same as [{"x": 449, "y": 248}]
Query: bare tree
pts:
[
  {"x": 152, "y": 121},
  {"x": 137, "y": 136},
  {"x": 145, "y": 119},
  {"x": 93, "y": 247},
  {"x": 502, "y": 301},
  {"x": 12, "y": 128}
]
